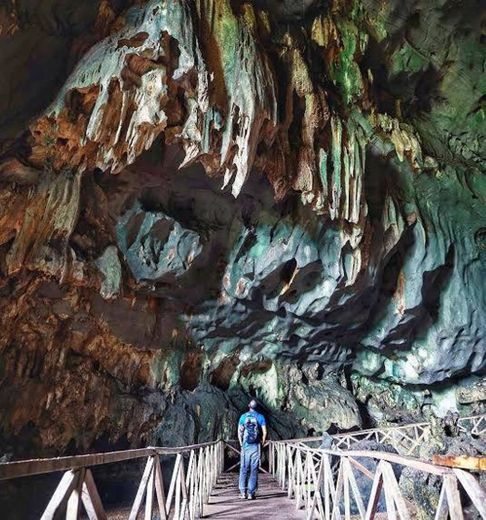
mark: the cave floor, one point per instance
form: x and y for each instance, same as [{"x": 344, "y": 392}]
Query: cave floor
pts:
[{"x": 271, "y": 501}]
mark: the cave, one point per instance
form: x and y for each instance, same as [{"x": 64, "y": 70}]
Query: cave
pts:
[{"x": 204, "y": 202}]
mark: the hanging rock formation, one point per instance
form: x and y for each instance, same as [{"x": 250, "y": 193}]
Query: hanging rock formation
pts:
[{"x": 205, "y": 200}]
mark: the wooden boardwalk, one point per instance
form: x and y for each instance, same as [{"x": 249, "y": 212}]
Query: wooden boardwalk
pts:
[
  {"x": 271, "y": 502},
  {"x": 186, "y": 481}
]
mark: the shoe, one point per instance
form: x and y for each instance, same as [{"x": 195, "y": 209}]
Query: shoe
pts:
[
  {"x": 251, "y": 497},
  {"x": 243, "y": 496}
]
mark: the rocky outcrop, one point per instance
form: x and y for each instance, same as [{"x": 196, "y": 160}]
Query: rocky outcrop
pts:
[
  {"x": 222, "y": 199},
  {"x": 444, "y": 437},
  {"x": 365, "y": 484}
]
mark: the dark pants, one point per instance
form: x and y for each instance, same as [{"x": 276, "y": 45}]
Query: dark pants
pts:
[{"x": 249, "y": 464}]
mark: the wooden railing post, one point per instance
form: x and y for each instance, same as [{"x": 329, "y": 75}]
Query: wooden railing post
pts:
[
  {"x": 160, "y": 490},
  {"x": 76, "y": 488},
  {"x": 142, "y": 488},
  {"x": 287, "y": 474},
  {"x": 61, "y": 494},
  {"x": 270, "y": 457},
  {"x": 149, "y": 499},
  {"x": 74, "y": 500},
  {"x": 91, "y": 498}
]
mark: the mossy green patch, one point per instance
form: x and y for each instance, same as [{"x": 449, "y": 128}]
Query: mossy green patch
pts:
[
  {"x": 166, "y": 368},
  {"x": 226, "y": 32},
  {"x": 407, "y": 59},
  {"x": 345, "y": 72}
]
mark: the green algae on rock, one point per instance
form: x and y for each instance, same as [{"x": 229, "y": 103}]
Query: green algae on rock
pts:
[{"x": 233, "y": 199}]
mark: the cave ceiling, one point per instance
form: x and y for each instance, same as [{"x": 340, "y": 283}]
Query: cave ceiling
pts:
[{"x": 250, "y": 184}]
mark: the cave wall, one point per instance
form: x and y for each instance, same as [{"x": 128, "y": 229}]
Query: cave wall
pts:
[{"x": 202, "y": 201}]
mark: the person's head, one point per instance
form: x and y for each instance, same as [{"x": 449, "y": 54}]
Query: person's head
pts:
[{"x": 252, "y": 405}]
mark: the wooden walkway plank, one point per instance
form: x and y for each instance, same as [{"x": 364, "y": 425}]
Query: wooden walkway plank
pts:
[
  {"x": 270, "y": 502},
  {"x": 461, "y": 461}
]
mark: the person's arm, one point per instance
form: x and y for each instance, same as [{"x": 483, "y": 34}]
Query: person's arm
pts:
[
  {"x": 240, "y": 435},
  {"x": 241, "y": 429},
  {"x": 263, "y": 425}
]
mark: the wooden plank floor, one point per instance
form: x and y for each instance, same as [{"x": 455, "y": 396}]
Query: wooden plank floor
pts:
[{"x": 271, "y": 501}]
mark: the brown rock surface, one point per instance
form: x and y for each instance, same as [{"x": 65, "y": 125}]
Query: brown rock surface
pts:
[{"x": 205, "y": 200}]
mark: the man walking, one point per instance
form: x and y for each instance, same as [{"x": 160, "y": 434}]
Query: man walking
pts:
[{"x": 252, "y": 433}]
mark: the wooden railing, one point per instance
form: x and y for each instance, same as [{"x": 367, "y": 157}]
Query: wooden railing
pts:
[
  {"x": 406, "y": 439},
  {"x": 475, "y": 424},
  {"x": 194, "y": 473},
  {"x": 332, "y": 485},
  {"x": 300, "y": 467}
]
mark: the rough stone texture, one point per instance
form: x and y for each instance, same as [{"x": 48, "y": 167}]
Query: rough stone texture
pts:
[
  {"x": 210, "y": 200},
  {"x": 365, "y": 484}
]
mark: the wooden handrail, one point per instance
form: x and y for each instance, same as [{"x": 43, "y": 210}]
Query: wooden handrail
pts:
[
  {"x": 358, "y": 432},
  {"x": 379, "y": 455},
  {"x": 384, "y": 429},
  {"x": 24, "y": 468}
]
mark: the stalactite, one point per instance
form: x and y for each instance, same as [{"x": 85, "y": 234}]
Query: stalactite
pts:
[{"x": 206, "y": 199}]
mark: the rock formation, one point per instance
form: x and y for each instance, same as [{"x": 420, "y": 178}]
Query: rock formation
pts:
[{"x": 203, "y": 200}]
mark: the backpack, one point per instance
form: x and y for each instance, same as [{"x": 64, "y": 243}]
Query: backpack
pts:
[{"x": 251, "y": 433}]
